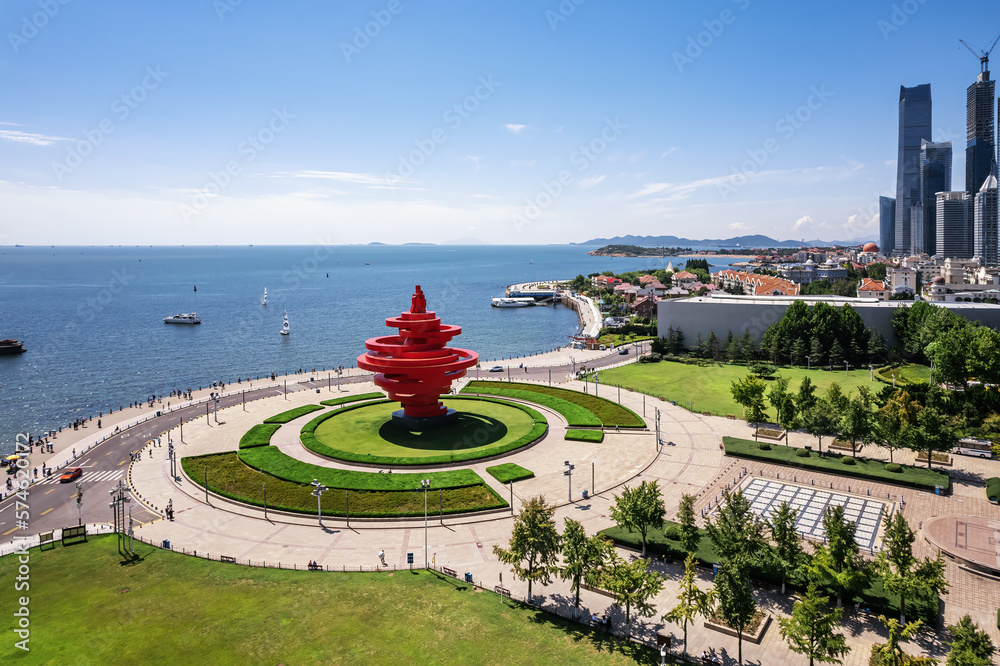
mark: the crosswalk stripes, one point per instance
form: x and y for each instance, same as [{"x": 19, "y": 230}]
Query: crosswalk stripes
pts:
[{"x": 87, "y": 477}]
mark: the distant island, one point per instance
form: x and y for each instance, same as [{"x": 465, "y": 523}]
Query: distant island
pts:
[
  {"x": 741, "y": 243},
  {"x": 638, "y": 251}
]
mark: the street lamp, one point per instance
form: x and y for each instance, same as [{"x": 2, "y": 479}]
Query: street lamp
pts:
[
  {"x": 569, "y": 476},
  {"x": 871, "y": 372},
  {"x": 596, "y": 382},
  {"x": 847, "y": 369},
  {"x": 79, "y": 503},
  {"x": 808, "y": 364},
  {"x": 425, "y": 484},
  {"x": 265, "y": 501},
  {"x": 318, "y": 494}
]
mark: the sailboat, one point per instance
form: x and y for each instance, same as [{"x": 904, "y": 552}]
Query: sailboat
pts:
[
  {"x": 285, "y": 330},
  {"x": 264, "y": 302}
]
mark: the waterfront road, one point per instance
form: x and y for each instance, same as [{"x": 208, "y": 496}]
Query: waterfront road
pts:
[{"x": 52, "y": 505}]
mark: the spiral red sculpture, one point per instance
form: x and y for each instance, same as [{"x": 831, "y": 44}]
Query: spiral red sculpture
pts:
[{"x": 415, "y": 367}]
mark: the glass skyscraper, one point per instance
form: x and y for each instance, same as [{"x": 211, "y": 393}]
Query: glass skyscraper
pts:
[
  {"x": 979, "y": 151},
  {"x": 985, "y": 226},
  {"x": 935, "y": 176},
  {"x": 886, "y": 225},
  {"x": 953, "y": 225},
  {"x": 914, "y": 128}
]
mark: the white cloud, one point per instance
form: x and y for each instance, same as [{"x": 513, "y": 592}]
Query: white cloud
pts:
[
  {"x": 475, "y": 160},
  {"x": 27, "y": 137},
  {"x": 668, "y": 151},
  {"x": 515, "y": 129},
  {"x": 591, "y": 182},
  {"x": 801, "y": 222},
  {"x": 737, "y": 226},
  {"x": 529, "y": 163},
  {"x": 342, "y": 176}
]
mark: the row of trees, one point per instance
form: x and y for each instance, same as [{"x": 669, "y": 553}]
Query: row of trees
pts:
[{"x": 822, "y": 335}]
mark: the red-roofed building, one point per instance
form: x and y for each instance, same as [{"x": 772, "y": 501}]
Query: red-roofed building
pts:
[
  {"x": 682, "y": 278},
  {"x": 870, "y": 288},
  {"x": 644, "y": 279},
  {"x": 645, "y": 306},
  {"x": 756, "y": 285}
]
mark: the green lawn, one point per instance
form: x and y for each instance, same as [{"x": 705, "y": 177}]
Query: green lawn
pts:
[
  {"x": 508, "y": 472},
  {"x": 369, "y": 494},
  {"x": 292, "y": 414},
  {"x": 365, "y": 433},
  {"x": 583, "y": 409},
  {"x": 333, "y": 402},
  {"x": 86, "y": 608},
  {"x": 708, "y": 386},
  {"x": 259, "y": 435},
  {"x": 585, "y": 435}
]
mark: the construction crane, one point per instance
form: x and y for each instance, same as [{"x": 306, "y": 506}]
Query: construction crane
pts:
[{"x": 984, "y": 56}]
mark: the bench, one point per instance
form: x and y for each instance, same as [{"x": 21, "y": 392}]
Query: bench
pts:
[
  {"x": 450, "y": 572},
  {"x": 227, "y": 558},
  {"x": 499, "y": 589},
  {"x": 315, "y": 567}
]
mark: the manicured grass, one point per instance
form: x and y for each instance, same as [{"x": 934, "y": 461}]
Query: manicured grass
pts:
[
  {"x": 585, "y": 435},
  {"x": 333, "y": 402},
  {"x": 364, "y": 433},
  {"x": 86, "y": 608},
  {"x": 508, "y": 472},
  {"x": 709, "y": 386},
  {"x": 595, "y": 408},
  {"x": 920, "y": 478},
  {"x": 993, "y": 488},
  {"x": 271, "y": 460},
  {"x": 229, "y": 477},
  {"x": 292, "y": 414},
  {"x": 259, "y": 435}
]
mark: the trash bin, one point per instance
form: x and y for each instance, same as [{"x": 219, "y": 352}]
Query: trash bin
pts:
[
  {"x": 937, "y": 490},
  {"x": 468, "y": 577},
  {"x": 166, "y": 544},
  {"x": 158, "y": 413},
  {"x": 584, "y": 494},
  {"x": 715, "y": 570}
]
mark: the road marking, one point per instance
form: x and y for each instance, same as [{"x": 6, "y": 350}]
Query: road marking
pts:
[
  {"x": 46, "y": 511},
  {"x": 48, "y": 491},
  {"x": 109, "y": 453},
  {"x": 84, "y": 463},
  {"x": 121, "y": 463},
  {"x": 9, "y": 531}
]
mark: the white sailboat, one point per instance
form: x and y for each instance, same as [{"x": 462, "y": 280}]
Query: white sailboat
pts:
[
  {"x": 285, "y": 330},
  {"x": 264, "y": 302}
]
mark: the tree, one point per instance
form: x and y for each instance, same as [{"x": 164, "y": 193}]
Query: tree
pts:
[
  {"x": 693, "y": 601},
  {"x": 632, "y": 585},
  {"x": 820, "y": 422},
  {"x": 787, "y": 546},
  {"x": 736, "y": 604},
  {"x": 690, "y": 536},
  {"x": 902, "y": 573},
  {"x": 857, "y": 420},
  {"x": 776, "y": 396},
  {"x": 891, "y": 421},
  {"x": 534, "y": 544},
  {"x": 749, "y": 393},
  {"x": 817, "y": 352},
  {"x": 891, "y": 652},
  {"x": 581, "y": 554},
  {"x": 807, "y": 394},
  {"x": 837, "y": 400},
  {"x": 799, "y": 351},
  {"x": 812, "y": 630},
  {"x": 638, "y": 509},
  {"x": 838, "y": 561},
  {"x": 932, "y": 433},
  {"x": 970, "y": 645},
  {"x": 737, "y": 533}
]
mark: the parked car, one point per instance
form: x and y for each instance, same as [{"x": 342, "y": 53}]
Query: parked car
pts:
[
  {"x": 496, "y": 368},
  {"x": 623, "y": 351},
  {"x": 71, "y": 474}
]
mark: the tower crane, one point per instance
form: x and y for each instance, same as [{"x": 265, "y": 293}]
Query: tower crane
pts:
[{"x": 984, "y": 56}]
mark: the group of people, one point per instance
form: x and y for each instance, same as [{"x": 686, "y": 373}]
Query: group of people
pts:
[{"x": 707, "y": 658}]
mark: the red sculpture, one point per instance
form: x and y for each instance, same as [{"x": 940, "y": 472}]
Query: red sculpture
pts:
[{"x": 415, "y": 367}]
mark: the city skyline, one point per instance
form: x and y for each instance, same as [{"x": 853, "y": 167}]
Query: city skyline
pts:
[{"x": 520, "y": 124}]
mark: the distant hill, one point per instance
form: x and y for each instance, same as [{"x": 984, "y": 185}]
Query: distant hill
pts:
[{"x": 754, "y": 241}]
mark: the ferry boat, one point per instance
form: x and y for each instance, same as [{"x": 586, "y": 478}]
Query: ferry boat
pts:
[
  {"x": 505, "y": 302},
  {"x": 192, "y": 318},
  {"x": 11, "y": 347}
]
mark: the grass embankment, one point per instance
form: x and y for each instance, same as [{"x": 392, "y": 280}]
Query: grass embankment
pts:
[
  {"x": 583, "y": 409},
  {"x": 259, "y": 435},
  {"x": 233, "y": 615},
  {"x": 920, "y": 478},
  {"x": 873, "y": 595},
  {"x": 364, "y": 433},
  {"x": 585, "y": 435},
  {"x": 508, "y": 472},
  {"x": 905, "y": 375},
  {"x": 292, "y": 414},
  {"x": 369, "y": 494},
  {"x": 333, "y": 402},
  {"x": 708, "y": 385}
]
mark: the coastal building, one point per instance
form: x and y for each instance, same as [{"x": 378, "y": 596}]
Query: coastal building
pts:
[
  {"x": 684, "y": 278},
  {"x": 810, "y": 271},
  {"x": 935, "y": 176},
  {"x": 886, "y": 224},
  {"x": 645, "y": 306},
  {"x": 869, "y": 288},
  {"x": 901, "y": 280},
  {"x": 953, "y": 229},
  {"x": 754, "y": 284},
  {"x": 914, "y": 128},
  {"x": 984, "y": 229},
  {"x": 722, "y": 313}
]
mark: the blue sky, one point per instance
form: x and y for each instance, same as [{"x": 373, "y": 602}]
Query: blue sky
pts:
[{"x": 231, "y": 122}]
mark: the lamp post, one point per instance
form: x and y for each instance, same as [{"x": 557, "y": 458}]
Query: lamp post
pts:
[
  {"x": 847, "y": 369},
  {"x": 425, "y": 484},
  {"x": 596, "y": 382},
  {"x": 318, "y": 494},
  {"x": 216, "y": 410},
  {"x": 569, "y": 476},
  {"x": 265, "y": 501},
  {"x": 79, "y": 503},
  {"x": 871, "y": 373},
  {"x": 808, "y": 363}
]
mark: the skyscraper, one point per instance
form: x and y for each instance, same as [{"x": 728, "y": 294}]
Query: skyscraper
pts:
[
  {"x": 914, "y": 127},
  {"x": 985, "y": 229},
  {"x": 935, "y": 176},
  {"x": 886, "y": 225},
  {"x": 953, "y": 225},
  {"x": 979, "y": 151}
]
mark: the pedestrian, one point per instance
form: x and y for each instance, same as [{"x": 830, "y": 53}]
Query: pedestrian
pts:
[
  {"x": 74, "y": 453},
  {"x": 98, "y": 423},
  {"x": 381, "y": 556}
]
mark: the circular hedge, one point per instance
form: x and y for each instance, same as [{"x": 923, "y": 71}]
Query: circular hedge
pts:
[{"x": 893, "y": 467}]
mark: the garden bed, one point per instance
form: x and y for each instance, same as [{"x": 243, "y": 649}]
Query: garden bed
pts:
[
  {"x": 770, "y": 433},
  {"x": 754, "y": 633},
  {"x": 509, "y": 472},
  {"x": 584, "y": 435},
  {"x": 936, "y": 459}
]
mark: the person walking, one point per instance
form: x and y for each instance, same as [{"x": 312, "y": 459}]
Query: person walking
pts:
[{"x": 381, "y": 556}]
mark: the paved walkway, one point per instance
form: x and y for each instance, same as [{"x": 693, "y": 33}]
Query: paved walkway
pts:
[{"x": 690, "y": 462}]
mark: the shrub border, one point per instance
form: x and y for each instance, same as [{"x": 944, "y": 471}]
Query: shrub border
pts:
[
  {"x": 290, "y": 415},
  {"x": 557, "y": 393}
]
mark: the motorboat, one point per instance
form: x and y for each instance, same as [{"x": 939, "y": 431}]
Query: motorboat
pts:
[
  {"x": 11, "y": 347},
  {"x": 192, "y": 318},
  {"x": 506, "y": 302}
]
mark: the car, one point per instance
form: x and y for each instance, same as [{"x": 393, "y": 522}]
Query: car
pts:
[
  {"x": 623, "y": 351},
  {"x": 496, "y": 368},
  {"x": 71, "y": 474}
]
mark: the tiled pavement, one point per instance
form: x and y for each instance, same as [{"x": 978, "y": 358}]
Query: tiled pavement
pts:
[{"x": 691, "y": 461}]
